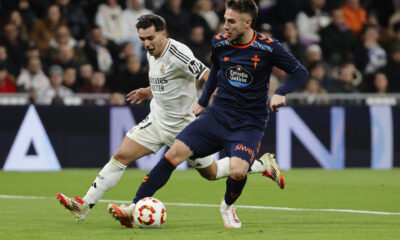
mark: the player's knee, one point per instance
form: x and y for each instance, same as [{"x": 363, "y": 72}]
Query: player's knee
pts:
[
  {"x": 122, "y": 157},
  {"x": 238, "y": 174}
]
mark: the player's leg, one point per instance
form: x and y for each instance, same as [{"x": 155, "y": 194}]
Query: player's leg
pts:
[
  {"x": 139, "y": 141},
  {"x": 211, "y": 169},
  {"x": 107, "y": 178},
  {"x": 234, "y": 186}
]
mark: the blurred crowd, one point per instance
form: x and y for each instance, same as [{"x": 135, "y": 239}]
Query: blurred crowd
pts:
[{"x": 52, "y": 49}]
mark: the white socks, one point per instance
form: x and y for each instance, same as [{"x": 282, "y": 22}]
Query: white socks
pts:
[
  {"x": 105, "y": 180},
  {"x": 223, "y": 168}
]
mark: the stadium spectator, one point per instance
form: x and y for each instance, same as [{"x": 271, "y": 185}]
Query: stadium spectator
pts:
[
  {"x": 127, "y": 50},
  {"x": 63, "y": 37},
  {"x": 313, "y": 54},
  {"x": 312, "y": 87},
  {"x": 66, "y": 57},
  {"x": 16, "y": 18},
  {"x": 135, "y": 9},
  {"x": 85, "y": 73},
  {"x": 355, "y": 15},
  {"x": 43, "y": 29},
  {"x": 109, "y": 19},
  {"x": 7, "y": 84},
  {"x": 178, "y": 19},
  {"x": 317, "y": 71},
  {"x": 380, "y": 83},
  {"x": 54, "y": 93},
  {"x": 370, "y": 56},
  {"x": 337, "y": 40},
  {"x": 9, "y": 65},
  {"x": 117, "y": 99},
  {"x": 27, "y": 14},
  {"x": 205, "y": 9},
  {"x": 70, "y": 79},
  {"x": 100, "y": 52},
  {"x": 132, "y": 77},
  {"x": 14, "y": 45},
  {"x": 311, "y": 21},
  {"x": 392, "y": 69},
  {"x": 292, "y": 42},
  {"x": 196, "y": 42},
  {"x": 32, "y": 78},
  {"x": 75, "y": 18},
  {"x": 266, "y": 29},
  {"x": 344, "y": 83},
  {"x": 96, "y": 84}
]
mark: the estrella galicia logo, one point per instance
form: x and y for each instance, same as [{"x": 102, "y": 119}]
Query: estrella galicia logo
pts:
[{"x": 238, "y": 76}]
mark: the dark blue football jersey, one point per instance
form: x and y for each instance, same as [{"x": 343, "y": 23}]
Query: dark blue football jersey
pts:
[{"x": 242, "y": 72}]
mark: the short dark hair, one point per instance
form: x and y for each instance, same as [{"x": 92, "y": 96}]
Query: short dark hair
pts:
[
  {"x": 148, "y": 20},
  {"x": 244, "y": 6}
]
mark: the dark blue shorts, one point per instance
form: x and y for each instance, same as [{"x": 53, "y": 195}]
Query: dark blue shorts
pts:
[{"x": 207, "y": 135}]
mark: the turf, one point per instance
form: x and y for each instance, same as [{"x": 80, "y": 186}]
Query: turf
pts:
[{"x": 356, "y": 189}]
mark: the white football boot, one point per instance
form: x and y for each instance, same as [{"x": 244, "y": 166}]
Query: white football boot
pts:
[
  {"x": 272, "y": 170},
  {"x": 123, "y": 213},
  {"x": 229, "y": 216},
  {"x": 79, "y": 208}
]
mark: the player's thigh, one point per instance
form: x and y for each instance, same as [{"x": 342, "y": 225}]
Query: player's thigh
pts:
[
  {"x": 130, "y": 150},
  {"x": 244, "y": 144},
  {"x": 202, "y": 136}
]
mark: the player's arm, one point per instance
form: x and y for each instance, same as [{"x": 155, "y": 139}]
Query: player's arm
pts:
[
  {"x": 298, "y": 76},
  {"x": 208, "y": 90},
  {"x": 139, "y": 95}
]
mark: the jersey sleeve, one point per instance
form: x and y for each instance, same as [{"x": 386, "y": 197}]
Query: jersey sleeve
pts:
[
  {"x": 187, "y": 62},
  {"x": 283, "y": 59}
]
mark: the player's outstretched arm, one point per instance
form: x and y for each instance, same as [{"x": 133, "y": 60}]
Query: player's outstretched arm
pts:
[
  {"x": 139, "y": 95},
  {"x": 276, "y": 102}
]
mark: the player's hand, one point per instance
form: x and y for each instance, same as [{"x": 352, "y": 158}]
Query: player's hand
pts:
[
  {"x": 139, "y": 95},
  {"x": 276, "y": 102},
  {"x": 197, "y": 109}
]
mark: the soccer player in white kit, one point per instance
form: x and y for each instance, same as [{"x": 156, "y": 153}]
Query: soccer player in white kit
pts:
[{"x": 173, "y": 70}]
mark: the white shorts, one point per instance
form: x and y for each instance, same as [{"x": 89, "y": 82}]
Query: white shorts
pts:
[{"x": 152, "y": 134}]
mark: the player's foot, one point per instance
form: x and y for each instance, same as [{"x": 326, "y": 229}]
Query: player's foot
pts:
[
  {"x": 229, "y": 216},
  {"x": 272, "y": 170},
  {"x": 76, "y": 206},
  {"x": 123, "y": 213}
]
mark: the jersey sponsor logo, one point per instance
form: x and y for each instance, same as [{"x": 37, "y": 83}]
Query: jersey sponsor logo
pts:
[
  {"x": 238, "y": 76},
  {"x": 196, "y": 67},
  {"x": 158, "y": 84},
  {"x": 241, "y": 147}
]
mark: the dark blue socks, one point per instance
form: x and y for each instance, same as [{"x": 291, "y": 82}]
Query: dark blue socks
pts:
[
  {"x": 153, "y": 181},
  {"x": 234, "y": 189}
]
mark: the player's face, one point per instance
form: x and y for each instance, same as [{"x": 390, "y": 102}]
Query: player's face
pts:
[
  {"x": 236, "y": 24},
  {"x": 154, "y": 42}
]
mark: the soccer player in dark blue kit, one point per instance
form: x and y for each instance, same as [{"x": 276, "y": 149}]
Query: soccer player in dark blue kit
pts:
[{"x": 242, "y": 60}]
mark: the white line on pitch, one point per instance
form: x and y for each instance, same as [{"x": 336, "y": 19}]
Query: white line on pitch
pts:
[{"x": 238, "y": 206}]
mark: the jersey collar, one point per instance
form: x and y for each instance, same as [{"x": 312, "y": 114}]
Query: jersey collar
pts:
[
  {"x": 246, "y": 45},
  {"x": 166, "y": 48}
]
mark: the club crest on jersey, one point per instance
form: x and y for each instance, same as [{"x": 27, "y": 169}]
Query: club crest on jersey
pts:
[
  {"x": 238, "y": 76},
  {"x": 162, "y": 69}
]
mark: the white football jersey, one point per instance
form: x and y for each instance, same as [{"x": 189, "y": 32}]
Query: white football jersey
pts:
[{"x": 172, "y": 79}]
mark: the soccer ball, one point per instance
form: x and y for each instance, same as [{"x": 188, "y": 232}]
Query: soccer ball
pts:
[{"x": 150, "y": 213}]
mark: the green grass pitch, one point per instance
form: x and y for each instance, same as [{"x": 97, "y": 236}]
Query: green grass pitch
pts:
[{"x": 351, "y": 189}]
